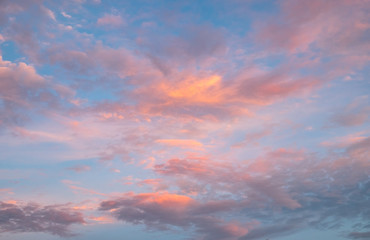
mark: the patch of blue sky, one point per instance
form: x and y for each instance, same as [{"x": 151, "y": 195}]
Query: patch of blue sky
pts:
[
  {"x": 10, "y": 52},
  {"x": 271, "y": 62}
]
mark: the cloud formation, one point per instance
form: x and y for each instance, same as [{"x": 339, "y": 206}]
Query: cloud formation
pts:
[
  {"x": 33, "y": 217},
  {"x": 163, "y": 210}
]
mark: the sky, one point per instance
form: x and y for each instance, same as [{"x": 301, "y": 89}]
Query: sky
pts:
[{"x": 186, "y": 120}]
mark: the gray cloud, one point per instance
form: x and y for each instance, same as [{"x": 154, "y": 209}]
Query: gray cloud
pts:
[{"x": 36, "y": 218}]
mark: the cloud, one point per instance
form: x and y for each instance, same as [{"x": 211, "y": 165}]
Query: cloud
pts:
[
  {"x": 27, "y": 34},
  {"x": 80, "y": 168},
  {"x": 359, "y": 235},
  {"x": 33, "y": 217},
  {"x": 25, "y": 93},
  {"x": 183, "y": 143},
  {"x": 317, "y": 24},
  {"x": 252, "y": 138},
  {"x": 270, "y": 231},
  {"x": 236, "y": 180},
  {"x": 99, "y": 59},
  {"x": 66, "y": 15},
  {"x": 165, "y": 210},
  {"x": 193, "y": 44},
  {"x": 169, "y": 87},
  {"x": 297, "y": 189},
  {"x": 176, "y": 75},
  {"x": 111, "y": 20},
  {"x": 198, "y": 168},
  {"x": 81, "y": 190},
  {"x": 214, "y": 97},
  {"x": 355, "y": 113},
  {"x": 49, "y": 13},
  {"x": 344, "y": 141}
]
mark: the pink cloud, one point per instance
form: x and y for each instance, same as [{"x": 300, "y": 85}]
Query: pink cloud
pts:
[
  {"x": 182, "y": 143},
  {"x": 111, "y": 20},
  {"x": 49, "y": 13},
  {"x": 252, "y": 138},
  {"x": 213, "y": 97},
  {"x": 81, "y": 190},
  {"x": 102, "y": 219},
  {"x": 23, "y": 91},
  {"x": 156, "y": 184},
  {"x": 319, "y": 23},
  {"x": 344, "y": 141},
  {"x": 80, "y": 168}
]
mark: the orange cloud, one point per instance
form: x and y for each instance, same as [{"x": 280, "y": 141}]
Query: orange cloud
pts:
[
  {"x": 183, "y": 143},
  {"x": 102, "y": 219},
  {"x": 195, "y": 90},
  {"x": 167, "y": 199}
]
